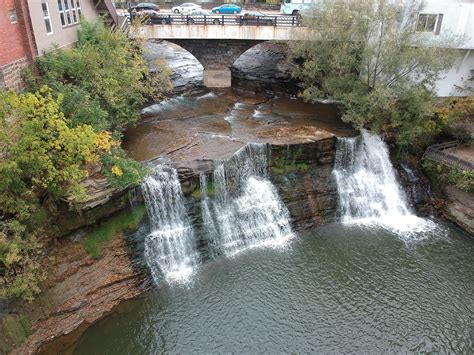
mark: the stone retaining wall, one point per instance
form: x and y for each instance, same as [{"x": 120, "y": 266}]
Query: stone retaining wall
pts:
[{"x": 10, "y": 75}]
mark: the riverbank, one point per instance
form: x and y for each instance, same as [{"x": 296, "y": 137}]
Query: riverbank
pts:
[{"x": 79, "y": 291}]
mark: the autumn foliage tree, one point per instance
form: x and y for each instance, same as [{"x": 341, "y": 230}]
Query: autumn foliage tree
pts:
[{"x": 42, "y": 158}]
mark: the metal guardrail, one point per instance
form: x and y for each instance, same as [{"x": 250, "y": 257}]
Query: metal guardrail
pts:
[
  {"x": 437, "y": 153},
  {"x": 124, "y": 25},
  {"x": 234, "y": 20}
]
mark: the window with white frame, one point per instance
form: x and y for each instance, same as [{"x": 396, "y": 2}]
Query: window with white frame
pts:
[
  {"x": 78, "y": 8},
  {"x": 46, "y": 17},
  {"x": 429, "y": 23},
  {"x": 61, "y": 12},
  {"x": 69, "y": 12},
  {"x": 73, "y": 11}
]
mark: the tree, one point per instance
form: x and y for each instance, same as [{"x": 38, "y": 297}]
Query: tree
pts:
[
  {"x": 42, "y": 159},
  {"x": 104, "y": 82},
  {"x": 104, "y": 79},
  {"x": 366, "y": 54}
]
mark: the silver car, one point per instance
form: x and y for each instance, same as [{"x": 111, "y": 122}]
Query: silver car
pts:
[{"x": 185, "y": 8}]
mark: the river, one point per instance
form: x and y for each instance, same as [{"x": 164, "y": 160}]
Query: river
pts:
[{"x": 337, "y": 289}]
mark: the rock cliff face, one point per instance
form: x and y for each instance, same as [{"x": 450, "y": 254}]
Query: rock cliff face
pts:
[
  {"x": 80, "y": 291},
  {"x": 459, "y": 208},
  {"x": 103, "y": 200},
  {"x": 302, "y": 175},
  {"x": 416, "y": 185}
]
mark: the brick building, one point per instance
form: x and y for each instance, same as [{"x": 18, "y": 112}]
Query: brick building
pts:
[
  {"x": 17, "y": 46},
  {"x": 28, "y": 28}
]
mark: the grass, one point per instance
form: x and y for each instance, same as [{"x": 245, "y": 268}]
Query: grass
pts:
[{"x": 94, "y": 241}]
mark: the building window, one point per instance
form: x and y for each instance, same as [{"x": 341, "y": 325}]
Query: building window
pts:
[
  {"x": 46, "y": 17},
  {"x": 69, "y": 12},
  {"x": 61, "y": 12},
  {"x": 73, "y": 11},
  {"x": 427, "y": 23},
  {"x": 78, "y": 8},
  {"x": 12, "y": 15}
]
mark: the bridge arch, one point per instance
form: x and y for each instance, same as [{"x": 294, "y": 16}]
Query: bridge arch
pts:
[
  {"x": 216, "y": 57},
  {"x": 217, "y": 47},
  {"x": 190, "y": 68}
]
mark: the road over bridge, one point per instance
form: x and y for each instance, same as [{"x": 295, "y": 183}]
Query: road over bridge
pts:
[{"x": 218, "y": 40}]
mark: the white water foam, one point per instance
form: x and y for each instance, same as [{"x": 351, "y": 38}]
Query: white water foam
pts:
[
  {"x": 163, "y": 106},
  {"x": 170, "y": 249},
  {"x": 209, "y": 95},
  {"x": 246, "y": 211},
  {"x": 369, "y": 193}
]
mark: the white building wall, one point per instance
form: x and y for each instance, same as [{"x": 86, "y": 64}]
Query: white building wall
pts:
[
  {"x": 458, "y": 26},
  {"x": 61, "y": 36},
  {"x": 457, "y": 78}
]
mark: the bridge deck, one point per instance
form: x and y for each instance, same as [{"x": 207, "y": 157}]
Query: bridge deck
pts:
[{"x": 260, "y": 33}]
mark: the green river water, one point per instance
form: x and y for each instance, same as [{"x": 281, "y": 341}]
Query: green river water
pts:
[{"x": 340, "y": 288}]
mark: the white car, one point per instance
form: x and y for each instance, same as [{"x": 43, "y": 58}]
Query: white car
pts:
[{"x": 185, "y": 8}]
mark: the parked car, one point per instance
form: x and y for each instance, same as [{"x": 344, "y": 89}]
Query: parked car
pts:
[
  {"x": 203, "y": 17},
  {"x": 255, "y": 18},
  {"x": 185, "y": 8},
  {"x": 145, "y": 6},
  {"x": 154, "y": 17},
  {"x": 227, "y": 9}
]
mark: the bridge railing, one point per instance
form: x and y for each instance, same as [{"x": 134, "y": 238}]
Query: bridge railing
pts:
[
  {"x": 233, "y": 20},
  {"x": 439, "y": 153}
]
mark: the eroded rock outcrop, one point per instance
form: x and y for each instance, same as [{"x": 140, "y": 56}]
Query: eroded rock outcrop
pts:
[
  {"x": 459, "y": 208},
  {"x": 102, "y": 201},
  {"x": 80, "y": 290},
  {"x": 302, "y": 174}
]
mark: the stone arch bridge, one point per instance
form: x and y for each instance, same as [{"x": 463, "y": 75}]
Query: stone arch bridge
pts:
[{"x": 217, "y": 41}]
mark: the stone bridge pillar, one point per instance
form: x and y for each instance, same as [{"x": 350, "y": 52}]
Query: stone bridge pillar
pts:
[{"x": 216, "y": 56}]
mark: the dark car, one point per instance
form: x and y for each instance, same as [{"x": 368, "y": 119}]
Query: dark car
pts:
[
  {"x": 203, "y": 17},
  {"x": 255, "y": 18},
  {"x": 144, "y": 6}
]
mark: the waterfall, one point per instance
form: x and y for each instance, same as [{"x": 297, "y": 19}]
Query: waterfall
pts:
[
  {"x": 246, "y": 211},
  {"x": 368, "y": 190},
  {"x": 170, "y": 249}
]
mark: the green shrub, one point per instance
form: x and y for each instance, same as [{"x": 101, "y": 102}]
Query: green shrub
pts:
[
  {"x": 104, "y": 79},
  {"x": 19, "y": 269},
  {"x": 120, "y": 170},
  {"x": 211, "y": 191},
  {"x": 443, "y": 175},
  {"x": 284, "y": 166}
]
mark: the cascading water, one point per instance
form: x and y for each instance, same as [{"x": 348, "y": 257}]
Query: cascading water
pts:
[
  {"x": 368, "y": 189},
  {"x": 169, "y": 248},
  {"x": 246, "y": 211}
]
